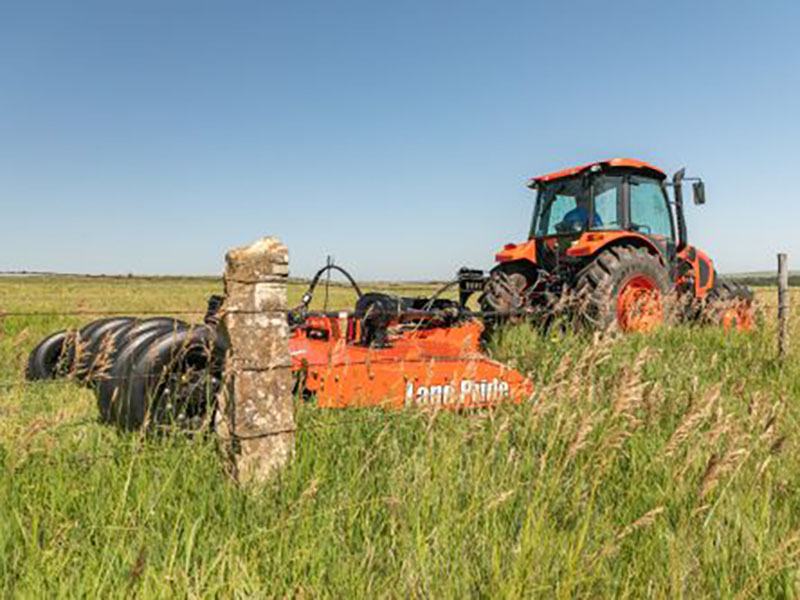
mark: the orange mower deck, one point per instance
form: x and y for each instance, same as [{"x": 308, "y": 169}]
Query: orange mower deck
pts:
[{"x": 428, "y": 367}]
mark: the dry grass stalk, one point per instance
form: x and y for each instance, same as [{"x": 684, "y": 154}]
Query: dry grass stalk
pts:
[
  {"x": 628, "y": 400},
  {"x": 692, "y": 420},
  {"x": 581, "y": 438},
  {"x": 777, "y": 445},
  {"x": 102, "y": 364},
  {"x": 718, "y": 467},
  {"x": 722, "y": 427},
  {"x": 310, "y": 492},
  {"x": 499, "y": 499},
  {"x": 559, "y": 380},
  {"x": 654, "y": 399},
  {"x": 501, "y": 430},
  {"x": 630, "y": 392},
  {"x": 511, "y": 459},
  {"x": 645, "y": 520},
  {"x": 613, "y": 443},
  {"x": 762, "y": 468},
  {"x": 787, "y": 553}
]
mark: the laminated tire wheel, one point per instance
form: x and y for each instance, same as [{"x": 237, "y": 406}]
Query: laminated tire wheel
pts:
[
  {"x": 49, "y": 359},
  {"x": 173, "y": 382},
  {"x": 127, "y": 346},
  {"x": 94, "y": 341}
]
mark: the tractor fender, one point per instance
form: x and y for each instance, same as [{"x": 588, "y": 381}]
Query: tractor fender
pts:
[
  {"x": 701, "y": 268},
  {"x": 592, "y": 242},
  {"x": 526, "y": 251}
]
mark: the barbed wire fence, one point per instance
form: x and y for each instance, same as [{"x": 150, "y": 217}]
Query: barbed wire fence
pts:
[
  {"x": 89, "y": 379},
  {"x": 780, "y": 309}
]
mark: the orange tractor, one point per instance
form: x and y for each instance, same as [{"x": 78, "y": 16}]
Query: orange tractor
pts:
[{"x": 607, "y": 237}]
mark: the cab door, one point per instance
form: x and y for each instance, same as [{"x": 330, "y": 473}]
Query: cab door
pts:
[{"x": 649, "y": 213}]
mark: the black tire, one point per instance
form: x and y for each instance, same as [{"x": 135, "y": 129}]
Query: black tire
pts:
[
  {"x": 129, "y": 345},
  {"x": 504, "y": 290},
  {"x": 503, "y": 297},
  {"x": 727, "y": 290},
  {"x": 95, "y": 338},
  {"x": 729, "y": 304},
  {"x": 49, "y": 359},
  {"x": 600, "y": 283},
  {"x": 174, "y": 382},
  {"x": 113, "y": 339},
  {"x": 86, "y": 332}
]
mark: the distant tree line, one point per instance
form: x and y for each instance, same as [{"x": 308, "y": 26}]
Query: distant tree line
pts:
[{"x": 762, "y": 280}]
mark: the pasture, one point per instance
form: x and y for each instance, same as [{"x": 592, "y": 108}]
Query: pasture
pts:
[{"x": 663, "y": 465}]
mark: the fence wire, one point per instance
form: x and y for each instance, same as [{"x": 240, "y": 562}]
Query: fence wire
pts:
[{"x": 342, "y": 419}]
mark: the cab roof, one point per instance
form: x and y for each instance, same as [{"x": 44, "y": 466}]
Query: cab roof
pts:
[{"x": 629, "y": 163}]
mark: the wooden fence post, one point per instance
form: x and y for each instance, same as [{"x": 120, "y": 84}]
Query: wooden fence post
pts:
[
  {"x": 256, "y": 416},
  {"x": 783, "y": 304}
]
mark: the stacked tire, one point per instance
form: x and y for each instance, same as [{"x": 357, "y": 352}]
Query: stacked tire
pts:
[{"x": 152, "y": 373}]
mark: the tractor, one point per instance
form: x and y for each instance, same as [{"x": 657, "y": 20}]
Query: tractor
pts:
[{"x": 607, "y": 237}]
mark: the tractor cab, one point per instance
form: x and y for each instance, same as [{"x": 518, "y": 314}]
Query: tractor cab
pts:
[{"x": 620, "y": 195}]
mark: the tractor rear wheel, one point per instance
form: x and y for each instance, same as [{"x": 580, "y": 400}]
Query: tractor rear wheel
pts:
[
  {"x": 623, "y": 288},
  {"x": 730, "y": 304}
]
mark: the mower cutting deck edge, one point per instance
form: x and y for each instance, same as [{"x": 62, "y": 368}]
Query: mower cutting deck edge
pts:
[{"x": 390, "y": 352}]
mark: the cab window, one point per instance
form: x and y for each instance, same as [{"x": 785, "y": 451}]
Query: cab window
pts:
[
  {"x": 650, "y": 213},
  {"x": 607, "y": 191},
  {"x": 560, "y": 208},
  {"x": 573, "y": 205}
]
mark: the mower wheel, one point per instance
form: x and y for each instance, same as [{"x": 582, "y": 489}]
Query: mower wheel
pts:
[
  {"x": 49, "y": 359},
  {"x": 730, "y": 304},
  {"x": 624, "y": 288},
  {"x": 173, "y": 382},
  {"x": 128, "y": 346}
]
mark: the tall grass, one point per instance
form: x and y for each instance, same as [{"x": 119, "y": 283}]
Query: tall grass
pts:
[{"x": 659, "y": 465}]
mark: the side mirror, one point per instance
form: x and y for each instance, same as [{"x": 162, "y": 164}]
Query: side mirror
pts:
[{"x": 699, "y": 191}]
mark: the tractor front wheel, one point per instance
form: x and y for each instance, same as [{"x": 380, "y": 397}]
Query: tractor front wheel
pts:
[
  {"x": 624, "y": 288},
  {"x": 504, "y": 296}
]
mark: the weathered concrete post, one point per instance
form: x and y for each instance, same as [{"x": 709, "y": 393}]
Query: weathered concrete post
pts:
[
  {"x": 783, "y": 304},
  {"x": 256, "y": 417}
]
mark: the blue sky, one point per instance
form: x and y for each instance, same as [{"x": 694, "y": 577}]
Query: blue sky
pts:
[{"x": 148, "y": 137}]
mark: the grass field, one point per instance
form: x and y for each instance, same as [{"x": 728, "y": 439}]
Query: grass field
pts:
[{"x": 663, "y": 466}]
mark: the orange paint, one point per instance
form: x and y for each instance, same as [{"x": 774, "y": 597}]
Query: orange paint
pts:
[
  {"x": 591, "y": 242},
  {"x": 630, "y": 163},
  {"x": 739, "y": 317},
  {"x": 639, "y": 305},
  {"x": 700, "y": 263},
  {"x": 436, "y": 367},
  {"x": 512, "y": 252}
]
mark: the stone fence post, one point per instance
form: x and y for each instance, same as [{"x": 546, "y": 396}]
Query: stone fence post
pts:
[{"x": 256, "y": 416}]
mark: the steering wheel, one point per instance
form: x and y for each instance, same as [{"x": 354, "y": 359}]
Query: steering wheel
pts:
[
  {"x": 641, "y": 228},
  {"x": 569, "y": 227}
]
